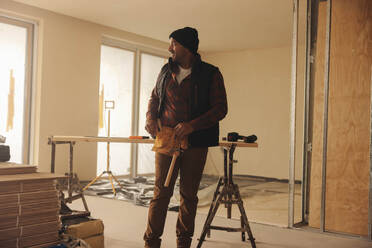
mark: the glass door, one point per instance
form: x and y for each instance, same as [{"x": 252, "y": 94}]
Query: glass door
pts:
[{"x": 116, "y": 85}]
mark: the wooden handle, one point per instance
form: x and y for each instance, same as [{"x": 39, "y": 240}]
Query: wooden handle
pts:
[{"x": 171, "y": 168}]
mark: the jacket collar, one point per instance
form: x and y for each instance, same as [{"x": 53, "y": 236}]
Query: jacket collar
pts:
[{"x": 196, "y": 66}]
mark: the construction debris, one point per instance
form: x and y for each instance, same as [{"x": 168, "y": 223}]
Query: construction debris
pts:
[{"x": 140, "y": 190}]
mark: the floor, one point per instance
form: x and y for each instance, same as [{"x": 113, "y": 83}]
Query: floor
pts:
[
  {"x": 265, "y": 200},
  {"x": 125, "y": 223}
]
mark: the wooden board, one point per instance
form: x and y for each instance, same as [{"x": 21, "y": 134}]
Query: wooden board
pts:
[
  {"x": 349, "y": 117},
  {"x": 98, "y": 139},
  {"x": 315, "y": 193},
  {"x": 347, "y": 179},
  {"x": 127, "y": 140}
]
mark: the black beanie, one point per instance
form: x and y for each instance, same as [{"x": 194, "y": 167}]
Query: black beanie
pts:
[{"x": 187, "y": 37}]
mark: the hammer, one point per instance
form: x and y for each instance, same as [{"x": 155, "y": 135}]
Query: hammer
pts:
[
  {"x": 174, "y": 158},
  {"x": 171, "y": 167}
]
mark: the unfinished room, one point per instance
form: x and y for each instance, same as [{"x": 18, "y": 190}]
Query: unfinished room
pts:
[{"x": 225, "y": 123}]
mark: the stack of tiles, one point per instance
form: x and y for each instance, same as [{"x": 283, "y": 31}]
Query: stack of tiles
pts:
[{"x": 29, "y": 207}]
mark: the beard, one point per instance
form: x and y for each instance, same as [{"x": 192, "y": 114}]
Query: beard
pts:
[{"x": 174, "y": 58}]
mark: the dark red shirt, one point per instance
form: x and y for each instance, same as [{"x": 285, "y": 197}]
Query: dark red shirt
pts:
[{"x": 177, "y": 107}]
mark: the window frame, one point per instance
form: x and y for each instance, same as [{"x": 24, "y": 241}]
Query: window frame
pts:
[
  {"x": 29, "y": 90},
  {"x": 138, "y": 50}
]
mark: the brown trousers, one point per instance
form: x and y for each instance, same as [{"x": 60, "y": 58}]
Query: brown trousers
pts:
[{"x": 190, "y": 164}]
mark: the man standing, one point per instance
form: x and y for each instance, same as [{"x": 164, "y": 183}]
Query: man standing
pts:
[{"x": 190, "y": 97}]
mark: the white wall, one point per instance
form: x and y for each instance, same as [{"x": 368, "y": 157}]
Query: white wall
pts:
[
  {"x": 67, "y": 83},
  {"x": 258, "y": 84}
]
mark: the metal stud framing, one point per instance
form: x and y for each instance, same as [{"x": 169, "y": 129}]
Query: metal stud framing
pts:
[
  {"x": 293, "y": 115},
  {"x": 325, "y": 114}
]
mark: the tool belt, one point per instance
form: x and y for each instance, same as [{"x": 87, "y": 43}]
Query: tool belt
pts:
[{"x": 166, "y": 141}]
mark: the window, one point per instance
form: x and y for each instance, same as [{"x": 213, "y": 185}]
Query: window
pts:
[
  {"x": 150, "y": 68},
  {"x": 15, "y": 86},
  {"x": 128, "y": 75},
  {"x": 116, "y": 84}
]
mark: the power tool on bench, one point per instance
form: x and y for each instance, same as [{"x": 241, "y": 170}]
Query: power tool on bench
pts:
[{"x": 234, "y": 136}]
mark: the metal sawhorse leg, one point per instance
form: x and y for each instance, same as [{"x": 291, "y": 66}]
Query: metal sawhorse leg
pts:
[
  {"x": 228, "y": 195},
  {"x": 70, "y": 174}
]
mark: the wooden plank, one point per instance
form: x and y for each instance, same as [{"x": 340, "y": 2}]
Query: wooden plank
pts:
[
  {"x": 349, "y": 116},
  {"x": 98, "y": 139},
  {"x": 127, "y": 140},
  {"x": 317, "y": 149}
]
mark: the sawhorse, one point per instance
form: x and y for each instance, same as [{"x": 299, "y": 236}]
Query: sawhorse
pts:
[
  {"x": 72, "y": 179},
  {"x": 228, "y": 195}
]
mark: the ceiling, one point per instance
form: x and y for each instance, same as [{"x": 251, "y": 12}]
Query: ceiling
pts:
[{"x": 223, "y": 25}]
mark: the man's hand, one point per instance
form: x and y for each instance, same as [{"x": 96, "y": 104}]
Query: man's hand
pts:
[
  {"x": 151, "y": 127},
  {"x": 182, "y": 129}
]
